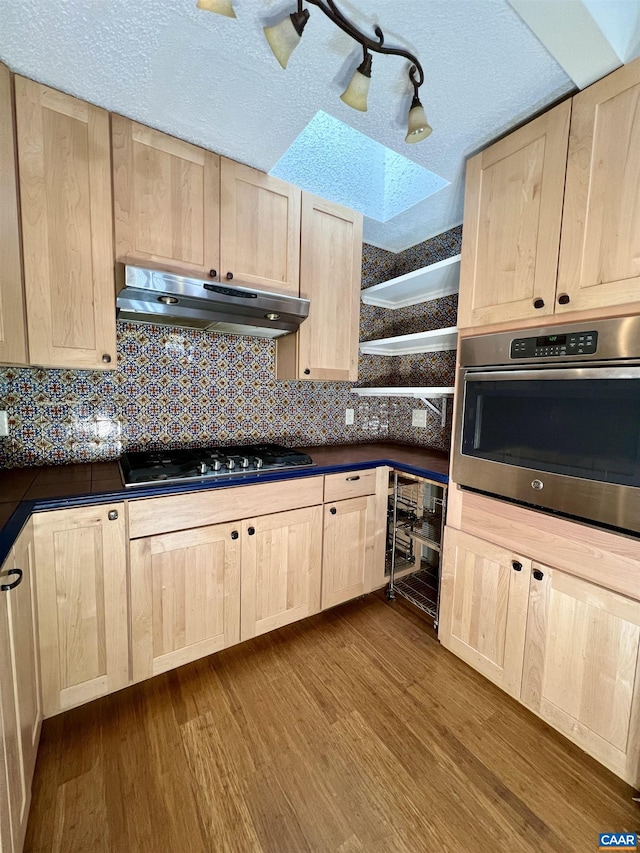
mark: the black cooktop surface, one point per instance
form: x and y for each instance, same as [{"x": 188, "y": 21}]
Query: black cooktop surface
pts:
[{"x": 168, "y": 466}]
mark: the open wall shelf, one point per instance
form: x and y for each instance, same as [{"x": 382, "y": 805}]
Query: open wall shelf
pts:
[
  {"x": 426, "y": 394},
  {"x": 436, "y": 340},
  {"x": 423, "y": 285}
]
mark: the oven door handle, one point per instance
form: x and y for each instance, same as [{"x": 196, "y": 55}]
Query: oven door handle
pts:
[{"x": 554, "y": 373}]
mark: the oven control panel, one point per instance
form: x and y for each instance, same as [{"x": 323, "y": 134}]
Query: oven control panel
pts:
[{"x": 552, "y": 346}]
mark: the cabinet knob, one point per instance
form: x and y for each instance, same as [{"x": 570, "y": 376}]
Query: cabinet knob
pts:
[
  {"x": 564, "y": 299},
  {"x": 229, "y": 276},
  {"x": 516, "y": 565},
  {"x": 5, "y": 587},
  {"x": 333, "y": 510},
  {"x": 306, "y": 371},
  {"x": 234, "y": 534},
  {"x": 538, "y": 303},
  {"x": 106, "y": 358},
  {"x": 112, "y": 515},
  {"x": 538, "y": 575},
  {"x": 213, "y": 273},
  {"x": 251, "y": 531}
]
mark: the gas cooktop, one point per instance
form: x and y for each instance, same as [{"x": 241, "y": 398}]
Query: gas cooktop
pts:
[{"x": 206, "y": 463}]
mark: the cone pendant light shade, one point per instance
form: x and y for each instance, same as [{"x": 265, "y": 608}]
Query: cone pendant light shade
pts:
[
  {"x": 220, "y": 7},
  {"x": 417, "y": 126},
  {"x": 355, "y": 95},
  {"x": 284, "y": 36}
]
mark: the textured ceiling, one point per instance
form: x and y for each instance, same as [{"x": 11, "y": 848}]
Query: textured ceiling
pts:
[{"x": 213, "y": 80}]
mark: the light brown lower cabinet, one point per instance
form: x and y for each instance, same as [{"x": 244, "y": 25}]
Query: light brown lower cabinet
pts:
[
  {"x": 483, "y": 607},
  {"x": 348, "y": 549},
  {"x": 20, "y": 702},
  {"x": 83, "y": 623},
  {"x": 185, "y": 596},
  {"x": 281, "y": 569},
  {"x": 582, "y": 666},
  {"x": 567, "y": 648}
]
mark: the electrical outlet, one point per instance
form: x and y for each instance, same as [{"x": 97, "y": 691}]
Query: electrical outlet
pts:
[
  {"x": 4, "y": 424},
  {"x": 348, "y": 417},
  {"x": 419, "y": 417}
]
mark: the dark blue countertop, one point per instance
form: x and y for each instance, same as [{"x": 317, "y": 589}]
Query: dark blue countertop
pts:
[{"x": 24, "y": 491}]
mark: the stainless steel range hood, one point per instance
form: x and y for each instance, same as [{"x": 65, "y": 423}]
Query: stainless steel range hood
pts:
[{"x": 153, "y": 296}]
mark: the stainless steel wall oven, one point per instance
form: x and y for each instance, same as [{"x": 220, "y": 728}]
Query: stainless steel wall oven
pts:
[{"x": 551, "y": 417}]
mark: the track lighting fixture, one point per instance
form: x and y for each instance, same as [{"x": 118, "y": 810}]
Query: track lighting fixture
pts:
[{"x": 285, "y": 36}]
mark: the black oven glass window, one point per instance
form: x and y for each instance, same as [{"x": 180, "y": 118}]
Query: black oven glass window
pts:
[{"x": 581, "y": 428}]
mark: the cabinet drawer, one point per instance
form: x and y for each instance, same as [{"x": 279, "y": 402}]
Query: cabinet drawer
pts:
[
  {"x": 182, "y": 512},
  {"x": 350, "y": 484}
]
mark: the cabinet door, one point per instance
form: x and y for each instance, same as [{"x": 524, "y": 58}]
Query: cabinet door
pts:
[
  {"x": 64, "y": 165},
  {"x": 348, "y": 549},
  {"x": 483, "y": 607},
  {"x": 15, "y": 785},
  {"x": 330, "y": 273},
  {"x": 166, "y": 200},
  {"x": 581, "y": 667},
  {"x": 13, "y": 792},
  {"x": 20, "y": 707},
  {"x": 24, "y": 631},
  {"x": 185, "y": 597},
  {"x": 13, "y": 341},
  {"x": 281, "y": 569},
  {"x": 600, "y": 249},
  {"x": 82, "y": 604},
  {"x": 259, "y": 229},
  {"x": 512, "y": 214}
]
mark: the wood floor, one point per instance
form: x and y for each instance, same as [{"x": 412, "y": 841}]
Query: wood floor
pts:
[{"x": 352, "y": 731}]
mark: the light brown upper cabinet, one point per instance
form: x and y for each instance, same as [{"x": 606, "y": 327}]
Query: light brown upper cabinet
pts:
[
  {"x": 64, "y": 171},
  {"x": 165, "y": 199},
  {"x": 13, "y": 342},
  {"x": 326, "y": 345},
  {"x": 600, "y": 246},
  {"x": 512, "y": 216},
  {"x": 259, "y": 229}
]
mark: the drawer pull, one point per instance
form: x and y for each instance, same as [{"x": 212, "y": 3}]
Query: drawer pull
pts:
[
  {"x": 333, "y": 510},
  {"x": 349, "y": 479},
  {"x": 112, "y": 515},
  {"x": 5, "y": 587}
]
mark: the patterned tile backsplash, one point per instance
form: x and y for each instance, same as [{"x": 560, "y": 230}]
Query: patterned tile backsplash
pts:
[{"x": 177, "y": 387}]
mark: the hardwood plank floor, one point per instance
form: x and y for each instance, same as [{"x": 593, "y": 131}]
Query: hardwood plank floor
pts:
[{"x": 353, "y": 731}]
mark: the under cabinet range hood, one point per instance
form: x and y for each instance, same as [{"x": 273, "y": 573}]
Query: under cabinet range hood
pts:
[{"x": 168, "y": 299}]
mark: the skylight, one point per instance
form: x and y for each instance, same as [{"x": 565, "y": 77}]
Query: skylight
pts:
[{"x": 336, "y": 162}]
